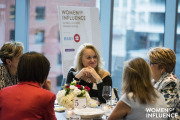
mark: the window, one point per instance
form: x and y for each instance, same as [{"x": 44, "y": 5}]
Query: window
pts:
[
  {"x": 59, "y": 80},
  {"x": 6, "y": 25},
  {"x": 12, "y": 35},
  {"x": 177, "y": 68},
  {"x": 12, "y": 13},
  {"x": 47, "y": 32},
  {"x": 40, "y": 13},
  {"x": 137, "y": 26},
  {"x": 39, "y": 36}
]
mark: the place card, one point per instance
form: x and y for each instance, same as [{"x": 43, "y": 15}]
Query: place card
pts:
[{"x": 80, "y": 102}]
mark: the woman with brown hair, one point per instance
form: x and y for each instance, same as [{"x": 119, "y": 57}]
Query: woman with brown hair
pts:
[{"x": 138, "y": 92}]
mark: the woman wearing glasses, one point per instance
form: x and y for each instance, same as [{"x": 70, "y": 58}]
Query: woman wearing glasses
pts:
[{"x": 162, "y": 61}]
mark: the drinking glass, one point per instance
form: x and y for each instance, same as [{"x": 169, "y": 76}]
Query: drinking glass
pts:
[
  {"x": 106, "y": 93},
  {"x": 75, "y": 117},
  {"x": 94, "y": 102}
]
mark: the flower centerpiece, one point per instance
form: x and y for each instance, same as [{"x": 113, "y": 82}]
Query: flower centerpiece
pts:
[{"x": 66, "y": 97}]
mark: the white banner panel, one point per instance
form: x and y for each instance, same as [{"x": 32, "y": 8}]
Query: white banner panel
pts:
[{"x": 78, "y": 25}]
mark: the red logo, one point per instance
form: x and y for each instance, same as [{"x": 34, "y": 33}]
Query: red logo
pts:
[{"x": 76, "y": 38}]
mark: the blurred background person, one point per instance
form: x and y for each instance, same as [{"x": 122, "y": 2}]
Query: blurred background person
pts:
[
  {"x": 88, "y": 71},
  {"x": 10, "y": 53},
  {"x": 138, "y": 93},
  {"x": 28, "y": 100},
  {"x": 162, "y": 61}
]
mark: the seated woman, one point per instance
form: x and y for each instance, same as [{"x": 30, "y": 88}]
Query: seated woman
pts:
[
  {"x": 139, "y": 94},
  {"x": 28, "y": 100},
  {"x": 10, "y": 53},
  {"x": 162, "y": 61},
  {"x": 88, "y": 71}
]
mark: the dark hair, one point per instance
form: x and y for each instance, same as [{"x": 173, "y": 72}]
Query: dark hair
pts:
[{"x": 33, "y": 67}]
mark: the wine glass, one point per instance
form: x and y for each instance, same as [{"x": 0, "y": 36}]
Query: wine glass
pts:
[{"x": 106, "y": 93}]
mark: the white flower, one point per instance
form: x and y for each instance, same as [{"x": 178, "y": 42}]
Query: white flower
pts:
[
  {"x": 72, "y": 87},
  {"x": 61, "y": 93},
  {"x": 77, "y": 91},
  {"x": 66, "y": 97}
]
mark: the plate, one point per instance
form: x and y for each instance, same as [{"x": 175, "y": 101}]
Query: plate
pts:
[
  {"x": 59, "y": 109},
  {"x": 89, "y": 113}
]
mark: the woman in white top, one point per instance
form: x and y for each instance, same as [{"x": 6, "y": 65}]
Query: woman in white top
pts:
[{"x": 140, "y": 101}]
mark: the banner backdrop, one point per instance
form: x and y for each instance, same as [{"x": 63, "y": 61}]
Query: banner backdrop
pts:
[{"x": 78, "y": 25}]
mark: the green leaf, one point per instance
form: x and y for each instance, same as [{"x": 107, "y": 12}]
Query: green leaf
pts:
[{"x": 67, "y": 92}]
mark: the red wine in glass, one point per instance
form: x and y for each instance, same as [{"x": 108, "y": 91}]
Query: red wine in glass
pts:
[{"x": 106, "y": 93}]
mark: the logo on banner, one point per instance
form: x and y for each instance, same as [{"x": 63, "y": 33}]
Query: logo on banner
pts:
[
  {"x": 76, "y": 38},
  {"x": 68, "y": 38}
]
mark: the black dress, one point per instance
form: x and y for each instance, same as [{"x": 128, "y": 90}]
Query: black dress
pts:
[{"x": 107, "y": 81}]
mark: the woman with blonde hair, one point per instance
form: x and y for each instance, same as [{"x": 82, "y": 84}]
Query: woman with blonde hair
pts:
[
  {"x": 138, "y": 93},
  {"x": 88, "y": 71},
  {"x": 10, "y": 53},
  {"x": 162, "y": 61}
]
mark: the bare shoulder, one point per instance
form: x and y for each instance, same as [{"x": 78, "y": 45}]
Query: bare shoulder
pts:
[{"x": 121, "y": 110}]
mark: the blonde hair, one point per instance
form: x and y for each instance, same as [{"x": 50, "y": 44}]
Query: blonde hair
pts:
[
  {"x": 163, "y": 57},
  {"x": 78, "y": 65},
  {"x": 10, "y": 50},
  {"x": 137, "y": 79}
]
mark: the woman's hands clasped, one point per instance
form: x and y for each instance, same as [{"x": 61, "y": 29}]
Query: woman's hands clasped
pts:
[{"x": 89, "y": 72}]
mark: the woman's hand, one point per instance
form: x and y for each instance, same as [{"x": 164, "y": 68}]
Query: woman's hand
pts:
[
  {"x": 89, "y": 72},
  {"x": 83, "y": 72},
  {"x": 94, "y": 74},
  {"x": 47, "y": 85}
]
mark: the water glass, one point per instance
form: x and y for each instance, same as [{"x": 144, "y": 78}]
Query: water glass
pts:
[{"x": 75, "y": 117}]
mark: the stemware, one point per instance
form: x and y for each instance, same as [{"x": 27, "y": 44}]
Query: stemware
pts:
[{"x": 106, "y": 93}]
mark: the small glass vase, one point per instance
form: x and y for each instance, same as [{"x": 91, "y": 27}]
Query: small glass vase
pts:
[{"x": 69, "y": 112}]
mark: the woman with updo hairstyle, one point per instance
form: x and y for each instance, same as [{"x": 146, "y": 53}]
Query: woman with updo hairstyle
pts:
[
  {"x": 10, "y": 53},
  {"x": 162, "y": 61}
]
